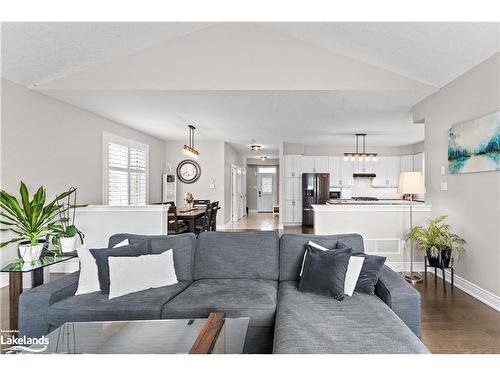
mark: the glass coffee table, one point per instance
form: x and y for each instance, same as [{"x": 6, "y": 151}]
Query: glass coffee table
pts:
[{"x": 174, "y": 336}]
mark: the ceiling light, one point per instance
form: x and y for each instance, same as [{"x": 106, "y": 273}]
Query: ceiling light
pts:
[
  {"x": 190, "y": 150},
  {"x": 263, "y": 157},
  {"x": 363, "y": 155},
  {"x": 255, "y": 147}
]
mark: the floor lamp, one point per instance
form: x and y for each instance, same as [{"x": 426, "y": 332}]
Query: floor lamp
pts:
[{"x": 411, "y": 183}]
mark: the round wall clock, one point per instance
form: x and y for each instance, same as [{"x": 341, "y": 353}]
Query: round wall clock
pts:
[{"x": 188, "y": 171}]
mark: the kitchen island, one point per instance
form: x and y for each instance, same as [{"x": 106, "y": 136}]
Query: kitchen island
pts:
[{"x": 383, "y": 224}]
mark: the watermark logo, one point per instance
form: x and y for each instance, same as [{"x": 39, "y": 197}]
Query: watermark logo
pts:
[{"x": 22, "y": 344}]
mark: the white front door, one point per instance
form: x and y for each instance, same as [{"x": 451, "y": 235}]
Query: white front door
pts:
[{"x": 266, "y": 189}]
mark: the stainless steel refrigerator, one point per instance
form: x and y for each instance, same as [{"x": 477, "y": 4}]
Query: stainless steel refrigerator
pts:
[{"x": 315, "y": 189}]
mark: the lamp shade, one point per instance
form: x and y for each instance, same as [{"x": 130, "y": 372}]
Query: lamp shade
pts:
[{"x": 411, "y": 183}]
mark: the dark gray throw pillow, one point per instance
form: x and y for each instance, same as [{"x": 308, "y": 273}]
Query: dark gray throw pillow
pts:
[
  {"x": 370, "y": 272},
  {"x": 101, "y": 258},
  {"x": 324, "y": 272}
]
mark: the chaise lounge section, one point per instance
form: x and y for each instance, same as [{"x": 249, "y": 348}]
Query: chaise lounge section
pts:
[{"x": 252, "y": 274}]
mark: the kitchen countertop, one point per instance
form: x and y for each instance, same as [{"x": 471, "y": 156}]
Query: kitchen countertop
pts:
[{"x": 400, "y": 202}]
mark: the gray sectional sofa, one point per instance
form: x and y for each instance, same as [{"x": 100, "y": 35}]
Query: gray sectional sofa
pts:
[{"x": 252, "y": 274}]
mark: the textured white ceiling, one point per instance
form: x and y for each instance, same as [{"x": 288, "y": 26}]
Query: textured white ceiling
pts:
[
  {"x": 431, "y": 52},
  {"x": 37, "y": 52},
  {"x": 269, "y": 117},
  {"x": 435, "y": 53}
]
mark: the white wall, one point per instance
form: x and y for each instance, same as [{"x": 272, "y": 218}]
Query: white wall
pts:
[
  {"x": 50, "y": 143},
  {"x": 211, "y": 161},
  {"x": 472, "y": 200}
]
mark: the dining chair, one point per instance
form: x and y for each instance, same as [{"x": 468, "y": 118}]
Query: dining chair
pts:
[
  {"x": 201, "y": 202},
  {"x": 213, "y": 216},
  {"x": 174, "y": 225},
  {"x": 204, "y": 225}
]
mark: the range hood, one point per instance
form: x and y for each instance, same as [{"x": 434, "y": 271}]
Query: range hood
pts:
[{"x": 364, "y": 175}]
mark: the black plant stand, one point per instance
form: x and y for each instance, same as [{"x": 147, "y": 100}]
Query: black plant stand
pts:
[{"x": 451, "y": 267}]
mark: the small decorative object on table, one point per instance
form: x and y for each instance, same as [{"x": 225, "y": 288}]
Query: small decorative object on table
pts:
[
  {"x": 32, "y": 221},
  {"x": 439, "y": 243},
  {"x": 189, "y": 200}
]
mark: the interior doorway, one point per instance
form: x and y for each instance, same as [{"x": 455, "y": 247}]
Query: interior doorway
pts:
[
  {"x": 267, "y": 188},
  {"x": 238, "y": 193}
]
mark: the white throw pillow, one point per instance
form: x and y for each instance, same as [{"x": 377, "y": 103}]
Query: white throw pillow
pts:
[
  {"x": 88, "y": 281},
  {"x": 352, "y": 274},
  {"x": 133, "y": 274},
  {"x": 353, "y": 269}
]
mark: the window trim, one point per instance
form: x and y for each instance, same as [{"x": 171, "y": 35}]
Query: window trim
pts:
[{"x": 108, "y": 137}]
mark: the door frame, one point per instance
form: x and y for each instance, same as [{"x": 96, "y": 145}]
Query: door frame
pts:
[
  {"x": 275, "y": 194},
  {"x": 237, "y": 179}
]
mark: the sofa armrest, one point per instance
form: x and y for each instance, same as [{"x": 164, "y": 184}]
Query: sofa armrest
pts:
[
  {"x": 34, "y": 304},
  {"x": 401, "y": 297}
]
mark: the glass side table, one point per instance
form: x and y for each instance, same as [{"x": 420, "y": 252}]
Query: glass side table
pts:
[{"x": 16, "y": 269}]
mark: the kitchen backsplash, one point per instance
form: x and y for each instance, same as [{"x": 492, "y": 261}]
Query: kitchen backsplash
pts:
[{"x": 362, "y": 187}]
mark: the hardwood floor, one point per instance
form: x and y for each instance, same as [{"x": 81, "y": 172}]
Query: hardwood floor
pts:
[{"x": 452, "y": 322}]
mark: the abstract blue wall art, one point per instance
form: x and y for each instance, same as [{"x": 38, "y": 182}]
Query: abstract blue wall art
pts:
[{"x": 474, "y": 146}]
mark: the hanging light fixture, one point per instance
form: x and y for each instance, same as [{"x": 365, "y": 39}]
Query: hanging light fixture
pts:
[
  {"x": 360, "y": 155},
  {"x": 190, "y": 150}
]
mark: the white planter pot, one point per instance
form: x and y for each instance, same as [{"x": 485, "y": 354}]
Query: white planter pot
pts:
[
  {"x": 68, "y": 244},
  {"x": 30, "y": 253}
]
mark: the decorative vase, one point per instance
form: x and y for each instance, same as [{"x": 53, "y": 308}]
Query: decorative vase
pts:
[
  {"x": 442, "y": 260},
  {"x": 67, "y": 244},
  {"x": 30, "y": 253}
]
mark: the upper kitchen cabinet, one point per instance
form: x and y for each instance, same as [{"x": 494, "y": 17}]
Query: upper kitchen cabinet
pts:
[
  {"x": 315, "y": 164},
  {"x": 387, "y": 169},
  {"x": 293, "y": 165},
  {"x": 364, "y": 166},
  {"x": 418, "y": 162},
  {"x": 406, "y": 163},
  {"x": 340, "y": 171},
  {"x": 308, "y": 164}
]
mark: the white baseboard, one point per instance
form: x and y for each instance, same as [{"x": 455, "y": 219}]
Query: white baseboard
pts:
[
  {"x": 472, "y": 289},
  {"x": 252, "y": 210}
]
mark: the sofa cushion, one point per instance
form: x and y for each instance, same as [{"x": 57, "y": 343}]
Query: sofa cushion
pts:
[
  {"x": 226, "y": 255},
  {"x": 309, "y": 323},
  {"x": 182, "y": 244},
  {"x": 237, "y": 298},
  {"x": 96, "y": 306},
  {"x": 292, "y": 248}
]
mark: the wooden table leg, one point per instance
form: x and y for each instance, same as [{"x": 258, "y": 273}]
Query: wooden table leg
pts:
[
  {"x": 37, "y": 277},
  {"x": 15, "y": 290},
  {"x": 208, "y": 335}
]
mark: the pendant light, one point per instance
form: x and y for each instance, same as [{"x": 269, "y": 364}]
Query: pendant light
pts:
[
  {"x": 190, "y": 150},
  {"x": 360, "y": 155}
]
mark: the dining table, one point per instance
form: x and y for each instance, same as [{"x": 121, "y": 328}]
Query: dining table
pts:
[{"x": 190, "y": 216}]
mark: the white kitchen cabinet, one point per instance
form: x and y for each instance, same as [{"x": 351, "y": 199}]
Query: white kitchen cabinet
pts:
[
  {"x": 406, "y": 163},
  {"x": 393, "y": 170},
  {"x": 321, "y": 164},
  {"x": 387, "y": 170},
  {"x": 418, "y": 162},
  {"x": 292, "y": 208},
  {"x": 293, "y": 165},
  {"x": 308, "y": 164},
  {"x": 364, "y": 166},
  {"x": 340, "y": 171},
  {"x": 288, "y": 212},
  {"x": 335, "y": 171}
]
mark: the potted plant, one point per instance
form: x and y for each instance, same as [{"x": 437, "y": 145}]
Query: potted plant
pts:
[
  {"x": 65, "y": 231},
  {"x": 438, "y": 242},
  {"x": 32, "y": 221}
]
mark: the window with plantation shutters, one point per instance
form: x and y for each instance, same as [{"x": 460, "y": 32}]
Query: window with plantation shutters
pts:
[{"x": 125, "y": 171}]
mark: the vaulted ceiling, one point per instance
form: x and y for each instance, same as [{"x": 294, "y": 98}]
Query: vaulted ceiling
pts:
[{"x": 313, "y": 83}]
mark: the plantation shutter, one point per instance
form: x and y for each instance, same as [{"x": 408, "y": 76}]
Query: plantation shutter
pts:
[{"x": 127, "y": 168}]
